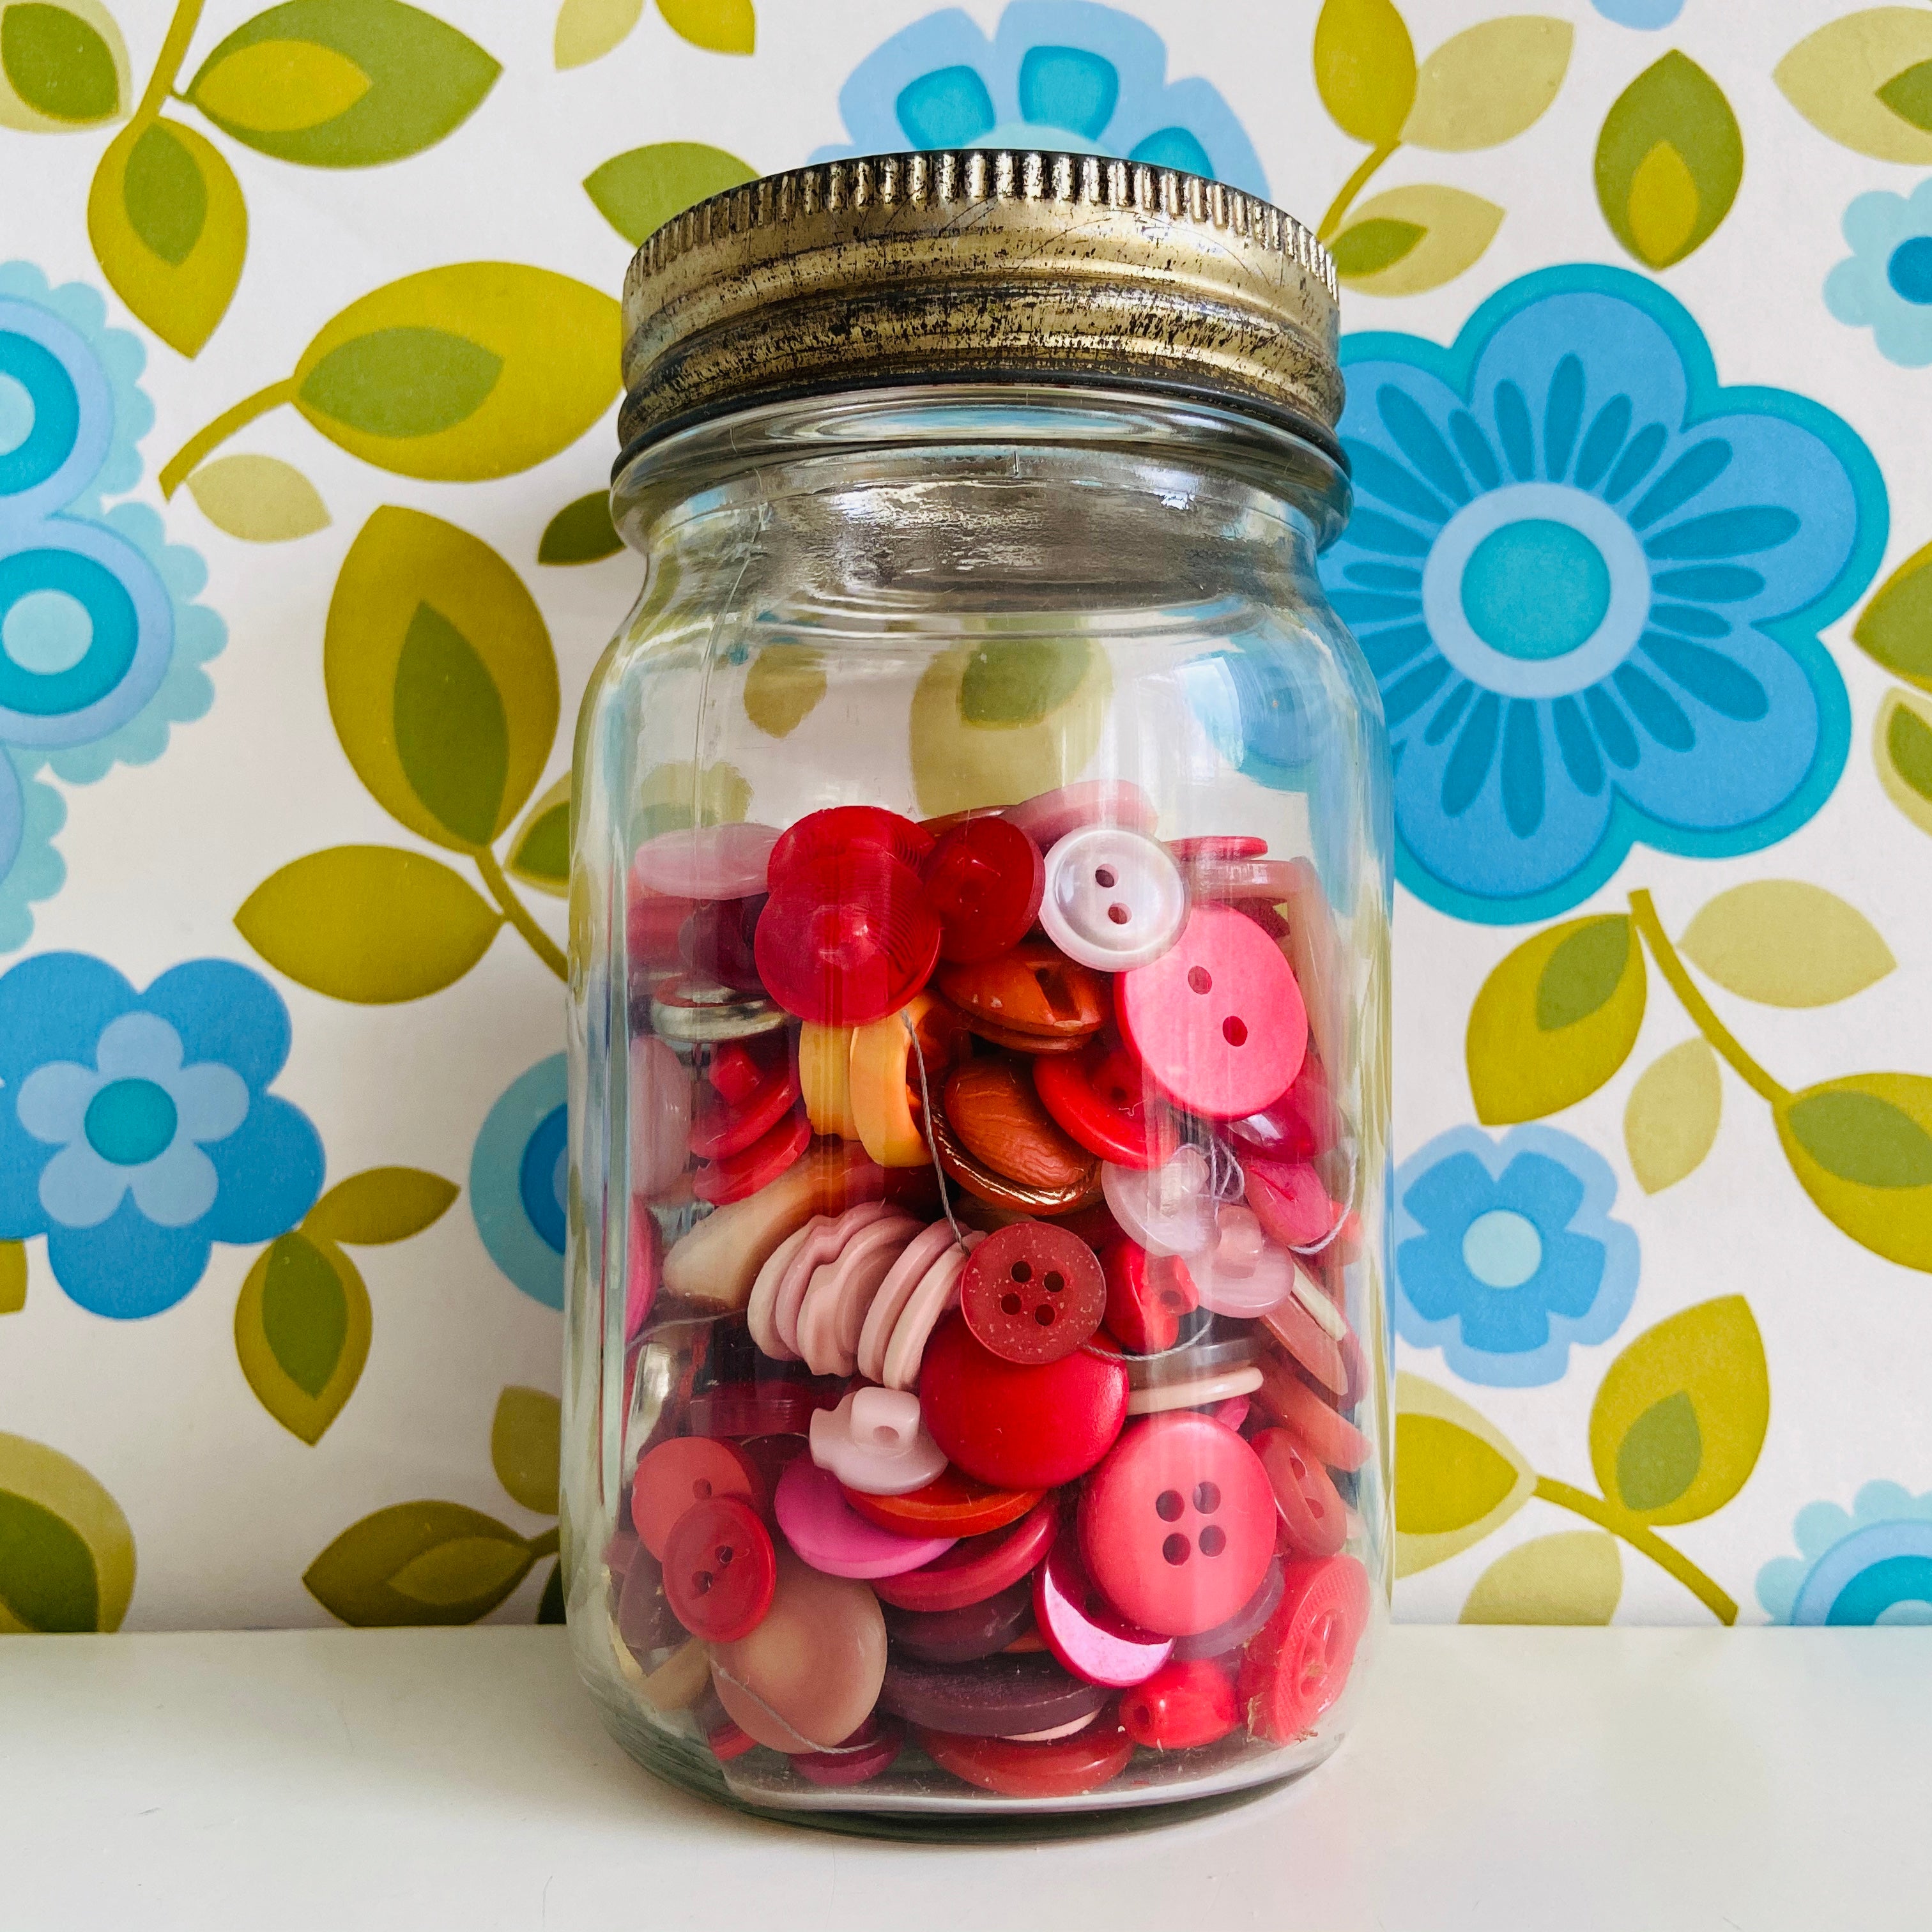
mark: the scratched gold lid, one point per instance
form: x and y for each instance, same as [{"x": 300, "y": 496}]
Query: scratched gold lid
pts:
[{"x": 981, "y": 265}]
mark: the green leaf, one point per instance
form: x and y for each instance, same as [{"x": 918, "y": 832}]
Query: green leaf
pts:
[
  {"x": 524, "y": 1446},
  {"x": 1363, "y": 247},
  {"x": 61, "y": 66},
  {"x": 540, "y": 851},
  {"x": 1838, "y": 79},
  {"x": 1457, "y": 1477},
  {"x": 1456, "y": 228},
  {"x": 343, "y": 83},
  {"x": 369, "y": 924},
  {"x": 1858, "y": 1136},
  {"x": 1556, "y": 1019},
  {"x": 1908, "y": 95},
  {"x": 1783, "y": 942},
  {"x": 581, "y": 531},
  {"x": 1573, "y": 1577},
  {"x": 784, "y": 686},
  {"x": 441, "y": 677},
  {"x": 637, "y": 192},
  {"x": 1895, "y": 628},
  {"x": 1668, "y": 161},
  {"x": 1861, "y": 1147},
  {"x": 1014, "y": 681},
  {"x": 1670, "y": 1120},
  {"x": 67, "y": 1556},
  {"x": 587, "y": 30},
  {"x": 13, "y": 1277},
  {"x": 551, "y": 1609},
  {"x": 1676, "y": 1427},
  {"x": 1902, "y": 748},
  {"x": 169, "y": 229},
  {"x": 380, "y": 1205},
  {"x": 302, "y": 1329},
  {"x": 418, "y": 1563},
  {"x": 402, "y": 382},
  {"x": 1365, "y": 69},
  {"x": 259, "y": 499},
  {"x": 723, "y": 26},
  {"x": 1486, "y": 84}
]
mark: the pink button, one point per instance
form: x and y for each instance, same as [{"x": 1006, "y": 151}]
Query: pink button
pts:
[
  {"x": 833, "y": 1315},
  {"x": 1081, "y": 1628},
  {"x": 832, "y": 1536},
  {"x": 824, "y": 1240},
  {"x": 1169, "y": 1209},
  {"x": 875, "y": 1442},
  {"x": 706, "y": 862},
  {"x": 661, "y": 1105},
  {"x": 1240, "y": 1275},
  {"x": 1048, "y": 818}
]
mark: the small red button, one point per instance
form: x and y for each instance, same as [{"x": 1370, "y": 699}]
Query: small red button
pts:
[
  {"x": 1313, "y": 1522},
  {"x": 756, "y": 1166},
  {"x": 1032, "y": 1293},
  {"x": 1181, "y": 1706},
  {"x": 1100, "y": 1096},
  {"x": 985, "y": 881},
  {"x": 847, "y": 938},
  {"x": 1297, "y": 1666},
  {"x": 976, "y": 1568},
  {"x": 1147, "y": 1296},
  {"x": 953, "y": 1504},
  {"x": 687, "y": 1469},
  {"x": 1225, "y": 845},
  {"x": 748, "y": 1096},
  {"x": 1290, "y": 1201},
  {"x": 845, "y": 828},
  {"x": 1064, "y": 1768},
  {"x": 869, "y": 1750},
  {"x": 1302, "y": 1124},
  {"x": 720, "y": 1570}
]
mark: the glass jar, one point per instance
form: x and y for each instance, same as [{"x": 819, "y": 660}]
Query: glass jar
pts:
[{"x": 977, "y": 1388}]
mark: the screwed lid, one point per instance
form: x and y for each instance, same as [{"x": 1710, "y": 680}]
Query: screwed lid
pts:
[{"x": 984, "y": 265}]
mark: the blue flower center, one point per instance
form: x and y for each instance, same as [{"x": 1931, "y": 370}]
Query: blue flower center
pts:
[
  {"x": 1910, "y": 270},
  {"x": 541, "y": 1173},
  {"x": 1502, "y": 1249},
  {"x": 1535, "y": 589},
  {"x": 46, "y": 631},
  {"x": 129, "y": 1122}
]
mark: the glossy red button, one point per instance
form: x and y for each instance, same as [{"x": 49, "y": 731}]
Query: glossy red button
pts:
[
  {"x": 1147, "y": 1296},
  {"x": 951, "y": 1504},
  {"x": 974, "y": 1570},
  {"x": 847, "y": 938},
  {"x": 1100, "y": 1097},
  {"x": 1290, "y": 1201},
  {"x": 685, "y": 1470},
  {"x": 1182, "y": 1706},
  {"x": 720, "y": 1570},
  {"x": 1083, "y": 1629},
  {"x": 755, "y": 1408},
  {"x": 1217, "y": 1019},
  {"x": 1064, "y": 1768},
  {"x": 1310, "y": 1420},
  {"x": 1302, "y": 1124},
  {"x": 1178, "y": 1524},
  {"x": 846, "y": 828},
  {"x": 1296, "y": 1668},
  {"x": 1024, "y": 1428},
  {"x": 862, "y": 1757},
  {"x": 1313, "y": 1522},
  {"x": 747, "y": 1094},
  {"x": 984, "y": 880},
  {"x": 1032, "y": 1293},
  {"x": 756, "y": 1166}
]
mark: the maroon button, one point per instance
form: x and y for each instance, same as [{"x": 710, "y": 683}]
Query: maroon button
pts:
[
  {"x": 1229, "y": 1636},
  {"x": 846, "y": 828},
  {"x": 1100, "y": 1097},
  {"x": 764, "y": 1408},
  {"x": 1296, "y": 1668},
  {"x": 847, "y": 938},
  {"x": 756, "y": 1166},
  {"x": 685, "y": 1470},
  {"x": 720, "y": 1570},
  {"x": 1313, "y": 1522},
  {"x": 716, "y": 941},
  {"x": 1147, "y": 1296},
  {"x": 984, "y": 880},
  {"x": 963, "y": 1636},
  {"x": 975, "y": 1568},
  {"x": 1083, "y": 1629},
  {"x": 869, "y": 1750},
  {"x": 1181, "y": 1706},
  {"x": 1032, "y": 1293},
  {"x": 998, "y": 1697}
]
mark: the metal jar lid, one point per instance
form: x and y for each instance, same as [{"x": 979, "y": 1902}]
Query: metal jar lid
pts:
[{"x": 980, "y": 265}]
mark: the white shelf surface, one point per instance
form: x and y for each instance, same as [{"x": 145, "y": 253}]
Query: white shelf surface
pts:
[{"x": 1551, "y": 1780}]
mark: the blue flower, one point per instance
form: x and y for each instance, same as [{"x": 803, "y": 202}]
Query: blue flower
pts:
[
  {"x": 1873, "y": 1566},
  {"x": 1639, "y": 13},
  {"x": 1590, "y": 583},
  {"x": 101, "y": 642},
  {"x": 136, "y": 1128},
  {"x": 1886, "y": 285},
  {"x": 1059, "y": 75},
  {"x": 518, "y": 1174},
  {"x": 1505, "y": 1254}
]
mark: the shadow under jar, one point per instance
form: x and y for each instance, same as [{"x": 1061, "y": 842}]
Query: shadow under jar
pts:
[{"x": 977, "y": 1391}]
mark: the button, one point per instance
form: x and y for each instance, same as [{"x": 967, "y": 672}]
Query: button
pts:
[
  {"x": 715, "y": 942},
  {"x": 936, "y": 1292},
  {"x": 1114, "y": 899},
  {"x": 643, "y": 1273},
  {"x": 1169, "y": 1209},
  {"x": 825, "y": 1531},
  {"x": 661, "y": 1105},
  {"x": 764, "y": 1088},
  {"x": 742, "y": 1409},
  {"x": 1159, "y": 1397},
  {"x": 1221, "y": 845},
  {"x": 720, "y": 1570},
  {"x": 887, "y": 1101},
  {"x": 1229, "y": 1636},
  {"x": 685, "y": 1470},
  {"x": 679, "y": 1681},
  {"x": 759, "y": 1309},
  {"x": 1298, "y": 1666},
  {"x": 825, "y": 1078},
  {"x": 953, "y": 1504},
  {"x": 847, "y": 938},
  {"x": 975, "y": 1567},
  {"x": 1182, "y": 1706},
  {"x": 875, "y": 1441},
  {"x": 833, "y": 1315},
  {"x": 871, "y": 1750},
  {"x": 1302, "y": 1124},
  {"x": 1293, "y": 1206},
  {"x": 1024, "y": 1428},
  {"x": 1032, "y": 1293},
  {"x": 761, "y": 1164},
  {"x": 705, "y": 861},
  {"x": 1147, "y": 1296},
  {"x": 962, "y": 1635},
  {"x": 1218, "y": 1019},
  {"x": 645, "y": 1619},
  {"x": 1239, "y": 1274},
  {"x": 1083, "y": 1631},
  {"x": 694, "y": 1009},
  {"x": 984, "y": 881},
  {"x": 1048, "y": 818},
  {"x": 1313, "y": 1522},
  {"x": 1178, "y": 1524},
  {"x": 995, "y": 1697},
  {"x": 1032, "y": 992},
  {"x": 1065, "y": 1769},
  {"x": 996, "y": 1115},
  {"x": 888, "y": 1303},
  {"x": 1333, "y": 1438},
  {"x": 1100, "y": 1097},
  {"x": 808, "y": 1677},
  {"x": 825, "y": 1240},
  {"x": 1215, "y": 875},
  {"x": 987, "y": 1184},
  {"x": 1309, "y": 1343},
  {"x": 653, "y": 926},
  {"x": 1206, "y": 1348},
  {"x": 846, "y": 828}
]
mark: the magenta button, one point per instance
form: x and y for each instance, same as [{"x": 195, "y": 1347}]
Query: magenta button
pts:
[{"x": 832, "y": 1537}]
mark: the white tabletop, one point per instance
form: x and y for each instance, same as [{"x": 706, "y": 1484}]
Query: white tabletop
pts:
[{"x": 1554, "y": 1781}]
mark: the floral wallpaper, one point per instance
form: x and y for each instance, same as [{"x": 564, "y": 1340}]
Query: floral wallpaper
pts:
[{"x": 308, "y": 362}]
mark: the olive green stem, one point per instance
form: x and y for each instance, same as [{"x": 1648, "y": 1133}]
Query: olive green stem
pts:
[
  {"x": 168, "y": 63},
  {"x": 518, "y": 914},
  {"x": 1639, "y": 1536},
  {"x": 189, "y": 457},
  {"x": 1352, "y": 187},
  {"x": 1644, "y": 912},
  {"x": 544, "y": 1544}
]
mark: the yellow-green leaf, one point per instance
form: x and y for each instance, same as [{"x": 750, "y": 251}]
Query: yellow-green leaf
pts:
[
  {"x": 581, "y": 531},
  {"x": 302, "y": 1326},
  {"x": 369, "y": 924},
  {"x": 1902, "y": 748},
  {"x": 1668, "y": 161},
  {"x": 784, "y": 686},
  {"x": 524, "y": 1446},
  {"x": 1676, "y": 1427},
  {"x": 1895, "y": 627},
  {"x": 640, "y": 191},
  {"x": 62, "y": 66},
  {"x": 540, "y": 851},
  {"x": 67, "y": 1556},
  {"x": 1457, "y": 1476},
  {"x": 673, "y": 796},
  {"x": 418, "y": 1563},
  {"x": 1455, "y": 229},
  {"x": 1556, "y": 1019},
  {"x": 441, "y": 678},
  {"x": 454, "y": 1574},
  {"x": 259, "y": 499},
  {"x": 169, "y": 229},
  {"x": 1861, "y": 1147},
  {"x": 723, "y": 26},
  {"x": 1488, "y": 83},
  {"x": 279, "y": 87},
  {"x": 1836, "y": 79},
  {"x": 1365, "y": 69},
  {"x": 1784, "y": 943},
  {"x": 587, "y": 30},
  {"x": 1575, "y": 1576},
  {"x": 13, "y": 1277},
  {"x": 380, "y": 1205},
  {"x": 1671, "y": 1118}
]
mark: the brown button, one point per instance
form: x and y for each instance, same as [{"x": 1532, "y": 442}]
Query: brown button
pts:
[
  {"x": 996, "y": 1113},
  {"x": 1001, "y": 1190},
  {"x": 1034, "y": 989}
]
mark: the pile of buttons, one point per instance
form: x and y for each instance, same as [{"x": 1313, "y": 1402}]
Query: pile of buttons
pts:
[{"x": 993, "y": 1423}]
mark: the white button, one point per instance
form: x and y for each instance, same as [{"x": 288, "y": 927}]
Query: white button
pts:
[
  {"x": 875, "y": 1441},
  {"x": 1170, "y": 1210},
  {"x": 1240, "y": 1275},
  {"x": 1115, "y": 900}
]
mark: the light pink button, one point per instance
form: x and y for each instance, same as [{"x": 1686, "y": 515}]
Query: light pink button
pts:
[
  {"x": 1239, "y": 1274},
  {"x": 1113, "y": 900},
  {"x": 705, "y": 861},
  {"x": 660, "y": 1102},
  {"x": 875, "y": 1441},
  {"x": 822, "y": 1243},
  {"x": 765, "y": 1291},
  {"x": 1169, "y": 1209},
  {"x": 832, "y": 1536},
  {"x": 833, "y": 1315},
  {"x": 1048, "y": 818},
  {"x": 894, "y": 1292},
  {"x": 937, "y": 1291}
]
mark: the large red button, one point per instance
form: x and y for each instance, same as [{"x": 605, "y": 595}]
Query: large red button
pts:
[
  {"x": 1312, "y": 1520},
  {"x": 971, "y": 1571},
  {"x": 844, "y": 828},
  {"x": 687, "y": 1469},
  {"x": 1147, "y": 1296},
  {"x": 1100, "y": 1096},
  {"x": 1024, "y": 1428},
  {"x": 720, "y": 1570},
  {"x": 1217, "y": 1019},
  {"x": 1063, "y": 1768},
  {"x": 1032, "y": 1293},
  {"x": 1296, "y": 1668},
  {"x": 847, "y": 938},
  {"x": 1182, "y": 1706},
  {"x": 985, "y": 881},
  {"x": 1177, "y": 1525},
  {"x": 1300, "y": 1124}
]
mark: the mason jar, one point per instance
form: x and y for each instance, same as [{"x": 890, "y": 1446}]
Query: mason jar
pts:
[{"x": 977, "y": 1392}]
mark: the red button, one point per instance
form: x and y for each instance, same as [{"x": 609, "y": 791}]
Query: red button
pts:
[
  {"x": 749, "y": 1094},
  {"x": 754, "y": 1408},
  {"x": 870, "y": 1750},
  {"x": 716, "y": 942},
  {"x": 720, "y": 1570},
  {"x": 1100, "y": 1097},
  {"x": 687, "y": 1469},
  {"x": 1226, "y": 845},
  {"x": 1295, "y": 1669},
  {"x": 1290, "y": 1201},
  {"x": 847, "y": 938},
  {"x": 846, "y": 828},
  {"x": 984, "y": 880},
  {"x": 971, "y": 1571},
  {"x": 1024, "y": 1428},
  {"x": 951, "y": 1504},
  {"x": 756, "y": 1166},
  {"x": 1032, "y": 1293},
  {"x": 1178, "y": 1524},
  {"x": 1313, "y": 1522},
  {"x": 1217, "y": 1019},
  {"x": 1299, "y": 1125},
  {"x": 1083, "y": 1631},
  {"x": 1181, "y": 1706},
  {"x": 654, "y": 927},
  {"x": 1310, "y": 1420},
  {"x": 1147, "y": 1296},
  {"x": 1063, "y": 1768}
]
